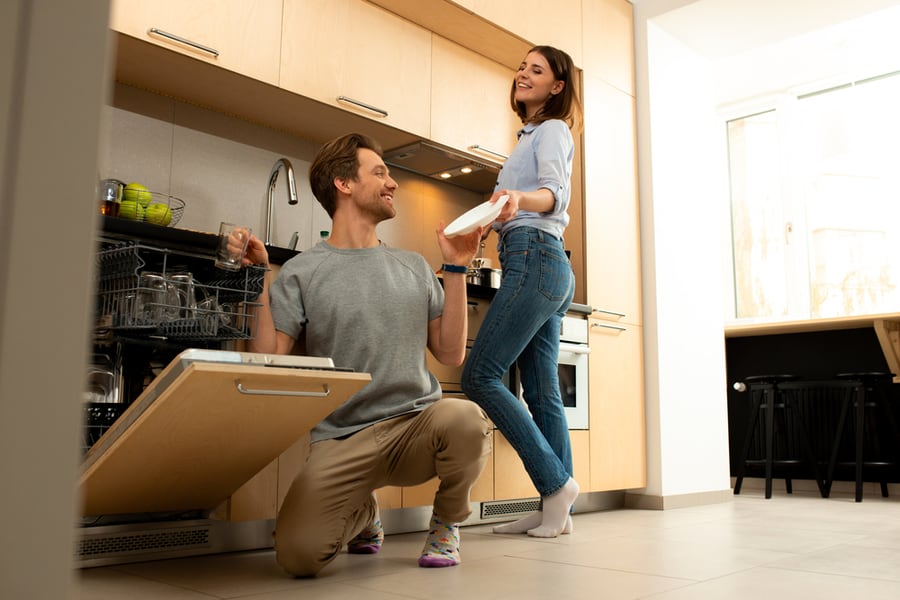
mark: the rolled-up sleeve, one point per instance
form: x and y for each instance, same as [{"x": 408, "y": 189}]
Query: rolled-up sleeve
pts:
[{"x": 554, "y": 151}]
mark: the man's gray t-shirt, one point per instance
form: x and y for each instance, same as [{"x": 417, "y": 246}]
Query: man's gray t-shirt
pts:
[{"x": 368, "y": 310}]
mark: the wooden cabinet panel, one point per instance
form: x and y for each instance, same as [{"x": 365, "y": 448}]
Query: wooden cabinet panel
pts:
[
  {"x": 538, "y": 22},
  {"x": 511, "y": 481},
  {"x": 354, "y": 50},
  {"x": 477, "y": 112},
  {"x": 612, "y": 246},
  {"x": 608, "y": 27},
  {"x": 246, "y": 35},
  {"x": 617, "y": 423}
]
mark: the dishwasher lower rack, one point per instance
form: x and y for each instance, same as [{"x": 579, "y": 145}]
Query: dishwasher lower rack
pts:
[{"x": 146, "y": 291}]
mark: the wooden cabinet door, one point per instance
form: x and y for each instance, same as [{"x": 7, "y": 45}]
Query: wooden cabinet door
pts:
[
  {"x": 609, "y": 42},
  {"x": 244, "y": 37},
  {"x": 557, "y": 24},
  {"x": 357, "y": 56},
  {"x": 612, "y": 243},
  {"x": 617, "y": 423},
  {"x": 470, "y": 108}
]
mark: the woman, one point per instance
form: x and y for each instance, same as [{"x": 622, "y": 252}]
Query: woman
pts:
[{"x": 537, "y": 286}]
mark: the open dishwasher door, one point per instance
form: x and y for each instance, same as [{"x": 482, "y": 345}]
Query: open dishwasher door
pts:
[{"x": 206, "y": 424}]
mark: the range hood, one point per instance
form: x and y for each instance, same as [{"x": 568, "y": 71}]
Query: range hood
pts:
[{"x": 445, "y": 164}]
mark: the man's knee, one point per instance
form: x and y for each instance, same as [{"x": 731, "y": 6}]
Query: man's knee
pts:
[
  {"x": 468, "y": 426},
  {"x": 300, "y": 558}
]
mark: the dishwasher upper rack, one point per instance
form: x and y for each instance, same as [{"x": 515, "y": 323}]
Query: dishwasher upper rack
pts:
[{"x": 137, "y": 294}]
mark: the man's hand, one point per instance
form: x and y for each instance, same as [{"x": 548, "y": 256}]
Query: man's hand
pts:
[{"x": 460, "y": 249}]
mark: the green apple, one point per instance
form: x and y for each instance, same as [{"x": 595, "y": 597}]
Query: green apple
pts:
[
  {"x": 138, "y": 193},
  {"x": 158, "y": 214},
  {"x": 131, "y": 209}
]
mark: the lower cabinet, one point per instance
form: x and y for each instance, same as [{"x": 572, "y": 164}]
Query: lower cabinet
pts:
[{"x": 617, "y": 422}]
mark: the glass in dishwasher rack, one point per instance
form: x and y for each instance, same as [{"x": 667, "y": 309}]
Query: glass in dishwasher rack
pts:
[{"x": 156, "y": 292}]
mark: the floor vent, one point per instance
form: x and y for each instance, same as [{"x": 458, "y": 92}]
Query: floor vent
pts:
[
  {"x": 101, "y": 546},
  {"x": 492, "y": 510}
]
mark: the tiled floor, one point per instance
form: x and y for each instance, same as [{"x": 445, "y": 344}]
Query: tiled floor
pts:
[{"x": 797, "y": 547}]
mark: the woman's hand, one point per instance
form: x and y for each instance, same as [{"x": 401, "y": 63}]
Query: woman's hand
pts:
[{"x": 511, "y": 208}]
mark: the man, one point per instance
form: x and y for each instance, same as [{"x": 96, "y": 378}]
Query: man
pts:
[{"x": 373, "y": 309}]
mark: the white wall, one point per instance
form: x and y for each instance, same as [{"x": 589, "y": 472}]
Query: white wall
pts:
[{"x": 683, "y": 196}]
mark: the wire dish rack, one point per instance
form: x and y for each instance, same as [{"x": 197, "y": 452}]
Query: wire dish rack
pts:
[{"x": 149, "y": 291}]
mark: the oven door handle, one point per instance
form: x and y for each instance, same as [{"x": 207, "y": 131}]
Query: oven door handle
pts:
[{"x": 574, "y": 348}]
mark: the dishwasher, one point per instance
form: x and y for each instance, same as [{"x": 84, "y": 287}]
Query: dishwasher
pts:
[{"x": 177, "y": 417}]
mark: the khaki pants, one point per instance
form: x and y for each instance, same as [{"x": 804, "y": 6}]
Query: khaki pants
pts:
[{"x": 331, "y": 499}]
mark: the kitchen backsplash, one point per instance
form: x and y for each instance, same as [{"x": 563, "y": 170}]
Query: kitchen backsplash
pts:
[{"x": 220, "y": 165}]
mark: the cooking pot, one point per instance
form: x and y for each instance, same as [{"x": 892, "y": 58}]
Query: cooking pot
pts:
[{"x": 484, "y": 276}]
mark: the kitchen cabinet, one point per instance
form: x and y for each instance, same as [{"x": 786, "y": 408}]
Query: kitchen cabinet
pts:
[
  {"x": 612, "y": 246},
  {"x": 609, "y": 42},
  {"x": 470, "y": 108},
  {"x": 617, "y": 429},
  {"x": 359, "y": 57},
  {"x": 244, "y": 37},
  {"x": 557, "y": 25},
  {"x": 511, "y": 481}
]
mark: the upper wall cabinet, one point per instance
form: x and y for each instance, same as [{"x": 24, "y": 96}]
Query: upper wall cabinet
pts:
[
  {"x": 244, "y": 37},
  {"x": 609, "y": 42},
  {"x": 470, "y": 108},
  {"x": 357, "y": 56},
  {"x": 555, "y": 24}
]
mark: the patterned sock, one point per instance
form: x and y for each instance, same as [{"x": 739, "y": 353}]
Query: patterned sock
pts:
[
  {"x": 367, "y": 541},
  {"x": 442, "y": 545}
]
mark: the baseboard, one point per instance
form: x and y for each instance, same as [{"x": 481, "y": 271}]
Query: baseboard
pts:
[{"x": 653, "y": 502}]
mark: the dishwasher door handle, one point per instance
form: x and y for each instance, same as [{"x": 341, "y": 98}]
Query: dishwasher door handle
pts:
[{"x": 257, "y": 392}]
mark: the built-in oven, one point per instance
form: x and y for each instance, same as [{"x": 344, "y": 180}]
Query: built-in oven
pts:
[{"x": 572, "y": 366}]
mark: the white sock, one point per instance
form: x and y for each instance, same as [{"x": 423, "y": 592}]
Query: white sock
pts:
[
  {"x": 556, "y": 511},
  {"x": 530, "y": 522}
]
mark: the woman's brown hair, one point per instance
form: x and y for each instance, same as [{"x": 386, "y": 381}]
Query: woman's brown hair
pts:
[{"x": 566, "y": 105}]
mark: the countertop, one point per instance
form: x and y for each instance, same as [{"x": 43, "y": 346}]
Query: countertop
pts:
[
  {"x": 753, "y": 328},
  {"x": 174, "y": 238},
  {"x": 204, "y": 242}
]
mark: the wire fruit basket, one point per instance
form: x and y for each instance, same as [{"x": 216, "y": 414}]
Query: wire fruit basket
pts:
[{"x": 152, "y": 207}]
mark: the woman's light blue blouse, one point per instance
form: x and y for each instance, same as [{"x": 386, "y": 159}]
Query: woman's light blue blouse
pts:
[{"x": 541, "y": 159}]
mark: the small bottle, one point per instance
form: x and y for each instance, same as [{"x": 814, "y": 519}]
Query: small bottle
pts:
[{"x": 323, "y": 236}]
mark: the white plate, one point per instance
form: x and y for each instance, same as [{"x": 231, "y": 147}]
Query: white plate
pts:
[{"x": 479, "y": 216}]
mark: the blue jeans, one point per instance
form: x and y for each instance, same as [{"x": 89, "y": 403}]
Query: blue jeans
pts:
[{"x": 522, "y": 326}]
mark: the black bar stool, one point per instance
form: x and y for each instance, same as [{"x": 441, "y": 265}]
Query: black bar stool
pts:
[
  {"x": 771, "y": 402},
  {"x": 867, "y": 396}
]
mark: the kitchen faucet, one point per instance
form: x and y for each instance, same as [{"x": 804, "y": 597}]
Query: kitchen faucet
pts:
[{"x": 270, "y": 193}]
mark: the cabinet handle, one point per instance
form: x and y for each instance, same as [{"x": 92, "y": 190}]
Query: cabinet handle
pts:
[
  {"x": 616, "y": 327},
  {"x": 609, "y": 312},
  {"x": 186, "y": 42},
  {"x": 256, "y": 392},
  {"x": 478, "y": 148},
  {"x": 374, "y": 109}
]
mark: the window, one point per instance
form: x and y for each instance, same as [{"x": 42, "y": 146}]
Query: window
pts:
[{"x": 815, "y": 201}]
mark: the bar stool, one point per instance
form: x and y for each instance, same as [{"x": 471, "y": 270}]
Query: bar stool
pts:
[
  {"x": 771, "y": 402},
  {"x": 867, "y": 396}
]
